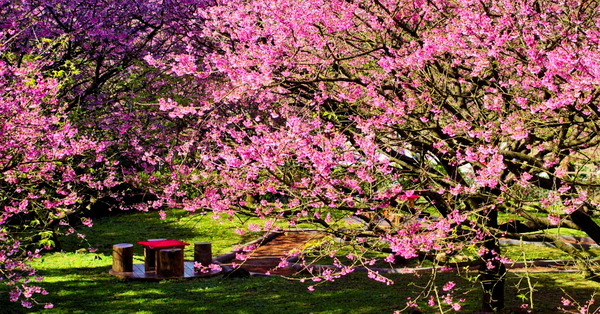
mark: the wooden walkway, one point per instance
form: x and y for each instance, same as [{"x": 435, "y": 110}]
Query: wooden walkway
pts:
[
  {"x": 266, "y": 258},
  {"x": 139, "y": 273}
]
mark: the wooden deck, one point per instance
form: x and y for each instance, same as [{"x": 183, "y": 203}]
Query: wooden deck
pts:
[{"x": 139, "y": 273}]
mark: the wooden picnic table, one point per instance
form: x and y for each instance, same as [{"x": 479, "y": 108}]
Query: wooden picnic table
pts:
[{"x": 163, "y": 259}]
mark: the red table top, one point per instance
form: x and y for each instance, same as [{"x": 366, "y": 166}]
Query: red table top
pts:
[
  {"x": 162, "y": 243},
  {"x": 408, "y": 197}
]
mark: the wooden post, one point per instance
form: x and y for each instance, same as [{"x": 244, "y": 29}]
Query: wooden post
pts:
[
  {"x": 203, "y": 253},
  {"x": 150, "y": 257},
  {"x": 169, "y": 263},
  {"x": 122, "y": 257}
]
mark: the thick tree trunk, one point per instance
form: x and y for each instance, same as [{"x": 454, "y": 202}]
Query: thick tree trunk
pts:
[
  {"x": 492, "y": 276},
  {"x": 587, "y": 224}
]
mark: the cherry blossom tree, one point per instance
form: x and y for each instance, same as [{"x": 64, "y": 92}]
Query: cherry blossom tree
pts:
[
  {"x": 40, "y": 157},
  {"x": 72, "y": 78},
  {"x": 320, "y": 111},
  {"x": 438, "y": 117}
]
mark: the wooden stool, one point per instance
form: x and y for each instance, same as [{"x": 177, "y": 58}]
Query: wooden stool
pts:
[
  {"x": 203, "y": 253},
  {"x": 169, "y": 263},
  {"x": 122, "y": 257},
  {"x": 150, "y": 257}
]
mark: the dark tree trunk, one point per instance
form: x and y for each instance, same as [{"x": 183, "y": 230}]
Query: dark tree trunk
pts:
[
  {"x": 584, "y": 221},
  {"x": 492, "y": 276}
]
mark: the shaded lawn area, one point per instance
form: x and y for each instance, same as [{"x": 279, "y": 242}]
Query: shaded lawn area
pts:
[
  {"x": 88, "y": 288},
  {"x": 80, "y": 283}
]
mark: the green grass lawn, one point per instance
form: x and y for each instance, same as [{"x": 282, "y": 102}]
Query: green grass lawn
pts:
[{"x": 80, "y": 283}]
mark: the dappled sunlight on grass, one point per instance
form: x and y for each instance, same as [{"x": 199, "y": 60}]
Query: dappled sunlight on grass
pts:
[
  {"x": 80, "y": 283},
  {"x": 96, "y": 292}
]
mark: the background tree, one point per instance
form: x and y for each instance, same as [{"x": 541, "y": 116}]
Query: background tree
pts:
[
  {"x": 40, "y": 157},
  {"x": 74, "y": 129}
]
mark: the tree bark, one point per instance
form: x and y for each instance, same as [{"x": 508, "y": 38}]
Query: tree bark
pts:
[
  {"x": 492, "y": 277},
  {"x": 587, "y": 224}
]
